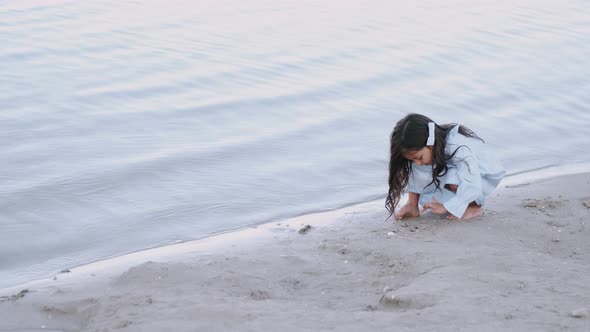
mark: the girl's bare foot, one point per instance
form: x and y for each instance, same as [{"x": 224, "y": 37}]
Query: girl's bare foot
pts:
[
  {"x": 471, "y": 212},
  {"x": 451, "y": 217}
]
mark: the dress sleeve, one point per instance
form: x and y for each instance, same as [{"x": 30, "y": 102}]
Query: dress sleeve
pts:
[{"x": 470, "y": 183}]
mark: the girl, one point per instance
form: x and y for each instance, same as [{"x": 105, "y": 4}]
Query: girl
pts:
[{"x": 444, "y": 168}]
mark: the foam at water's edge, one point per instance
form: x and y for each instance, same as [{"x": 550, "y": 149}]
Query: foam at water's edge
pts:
[{"x": 544, "y": 173}]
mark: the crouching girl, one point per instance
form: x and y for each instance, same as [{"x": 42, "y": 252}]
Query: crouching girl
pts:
[{"x": 446, "y": 169}]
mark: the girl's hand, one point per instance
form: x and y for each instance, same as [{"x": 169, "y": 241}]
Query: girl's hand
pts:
[
  {"x": 409, "y": 211},
  {"x": 435, "y": 207}
]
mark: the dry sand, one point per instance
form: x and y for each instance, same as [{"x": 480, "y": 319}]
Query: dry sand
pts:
[{"x": 523, "y": 266}]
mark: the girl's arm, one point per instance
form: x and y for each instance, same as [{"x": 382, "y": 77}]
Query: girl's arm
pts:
[
  {"x": 470, "y": 184},
  {"x": 413, "y": 199}
]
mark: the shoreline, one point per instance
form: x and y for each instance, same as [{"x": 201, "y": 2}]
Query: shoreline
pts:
[
  {"x": 521, "y": 266},
  {"x": 245, "y": 236},
  {"x": 262, "y": 231}
]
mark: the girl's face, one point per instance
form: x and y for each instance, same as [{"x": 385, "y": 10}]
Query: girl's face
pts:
[{"x": 420, "y": 157}]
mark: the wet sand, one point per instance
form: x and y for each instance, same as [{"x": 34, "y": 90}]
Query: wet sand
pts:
[{"x": 523, "y": 266}]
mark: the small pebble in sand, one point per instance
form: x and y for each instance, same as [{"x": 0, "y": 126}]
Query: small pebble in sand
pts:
[
  {"x": 370, "y": 307},
  {"x": 405, "y": 224},
  {"x": 259, "y": 295},
  {"x": 305, "y": 229},
  {"x": 580, "y": 313},
  {"x": 390, "y": 299},
  {"x": 390, "y": 234},
  {"x": 406, "y": 301},
  {"x": 586, "y": 204}
]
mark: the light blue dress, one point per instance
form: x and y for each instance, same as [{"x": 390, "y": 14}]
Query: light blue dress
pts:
[{"x": 473, "y": 169}]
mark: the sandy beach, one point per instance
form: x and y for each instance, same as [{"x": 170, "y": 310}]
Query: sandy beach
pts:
[{"x": 523, "y": 266}]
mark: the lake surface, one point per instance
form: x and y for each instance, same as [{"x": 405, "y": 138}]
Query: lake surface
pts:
[{"x": 132, "y": 124}]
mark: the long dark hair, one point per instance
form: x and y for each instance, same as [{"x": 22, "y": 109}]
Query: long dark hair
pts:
[{"x": 411, "y": 134}]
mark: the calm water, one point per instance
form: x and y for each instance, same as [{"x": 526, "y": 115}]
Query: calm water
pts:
[{"x": 132, "y": 124}]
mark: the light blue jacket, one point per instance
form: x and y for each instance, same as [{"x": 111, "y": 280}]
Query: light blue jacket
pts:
[{"x": 473, "y": 169}]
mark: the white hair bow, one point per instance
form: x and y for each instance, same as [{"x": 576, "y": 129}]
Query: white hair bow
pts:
[{"x": 430, "y": 141}]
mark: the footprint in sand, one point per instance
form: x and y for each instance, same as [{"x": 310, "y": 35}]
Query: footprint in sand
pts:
[
  {"x": 122, "y": 324},
  {"x": 259, "y": 295},
  {"x": 15, "y": 297},
  {"x": 542, "y": 204}
]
